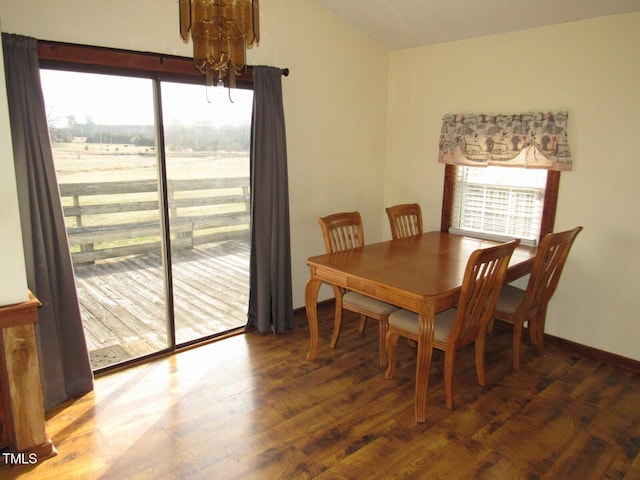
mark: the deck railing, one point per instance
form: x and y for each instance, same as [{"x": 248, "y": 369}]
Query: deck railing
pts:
[{"x": 116, "y": 219}]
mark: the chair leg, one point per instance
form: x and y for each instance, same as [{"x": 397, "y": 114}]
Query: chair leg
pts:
[
  {"x": 382, "y": 340},
  {"x": 540, "y": 320},
  {"x": 337, "y": 322},
  {"x": 391, "y": 342},
  {"x": 532, "y": 326},
  {"x": 449, "y": 364},
  {"x": 517, "y": 342},
  {"x": 480, "y": 348},
  {"x": 363, "y": 324}
]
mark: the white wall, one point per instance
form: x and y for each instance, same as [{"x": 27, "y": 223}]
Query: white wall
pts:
[
  {"x": 13, "y": 280},
  {"x": 335, "y": 98},
  {"x": 592, "y": 70}
]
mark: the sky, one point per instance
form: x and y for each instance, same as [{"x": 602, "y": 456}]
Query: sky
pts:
[{"x": 112, "y": 100}]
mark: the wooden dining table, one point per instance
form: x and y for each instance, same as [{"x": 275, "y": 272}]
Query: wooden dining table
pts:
[{"x": 422, "y": 274}]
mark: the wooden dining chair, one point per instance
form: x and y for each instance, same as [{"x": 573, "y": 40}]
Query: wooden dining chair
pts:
[
  {"x": 459, "y": 326},
  {"x": 342, "y": 232},
  {"x": 529, "y": 306},
  {"x": 405, "y": 220}
]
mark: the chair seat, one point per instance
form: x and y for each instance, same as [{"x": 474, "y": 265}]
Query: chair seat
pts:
[
  {"x": 510, "y": 299},
  {"x": 367, "y": 303},
  {"x": 408, "y": 321}
]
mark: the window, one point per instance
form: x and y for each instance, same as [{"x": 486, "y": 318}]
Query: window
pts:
[{"x": 499, "y": 202}]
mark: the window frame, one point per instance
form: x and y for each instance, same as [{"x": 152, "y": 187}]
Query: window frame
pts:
[
  {"x": 549, "y": 206},
  {"x": 92, "y": 59}
]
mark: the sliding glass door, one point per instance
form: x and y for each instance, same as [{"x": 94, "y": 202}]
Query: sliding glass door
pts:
[
  {"x": 207, "y": 164},
  {"x": 154, "y": 184}
]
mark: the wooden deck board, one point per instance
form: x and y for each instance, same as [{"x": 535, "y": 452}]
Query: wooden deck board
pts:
[{"x": 123, "y": 301}]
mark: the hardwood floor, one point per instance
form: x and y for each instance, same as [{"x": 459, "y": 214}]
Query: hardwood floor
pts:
[{"x": 252, "y": 407}]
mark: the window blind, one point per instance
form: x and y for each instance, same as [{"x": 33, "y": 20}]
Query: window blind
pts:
[{"x": 498, "y": 203}]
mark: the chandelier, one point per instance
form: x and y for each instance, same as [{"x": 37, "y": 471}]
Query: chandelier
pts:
[{"x": 221, "y": 30}]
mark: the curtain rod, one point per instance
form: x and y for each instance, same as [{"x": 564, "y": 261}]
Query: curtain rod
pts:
[{"x": 105, "y": 56}]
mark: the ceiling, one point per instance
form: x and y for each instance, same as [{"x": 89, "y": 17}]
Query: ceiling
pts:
[{"x": 398, "y": 24}]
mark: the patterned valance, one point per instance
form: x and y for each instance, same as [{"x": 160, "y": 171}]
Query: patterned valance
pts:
[{"x": 533, "y": 140}]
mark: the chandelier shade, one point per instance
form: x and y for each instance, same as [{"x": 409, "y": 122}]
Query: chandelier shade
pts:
[{"x": 221, "y": 31}]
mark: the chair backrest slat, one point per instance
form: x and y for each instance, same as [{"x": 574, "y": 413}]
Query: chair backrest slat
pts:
[
  {"x": 483, "y": 279},
  {"x": 342, "y": 231},
  {"x": 547, "y": 268},
  {"x": 405, "y": 220}
]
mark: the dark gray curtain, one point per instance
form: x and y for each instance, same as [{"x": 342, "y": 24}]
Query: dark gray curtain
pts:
[
  {"x": 64, "y": 360},
  {"x": 270, "y": 298}
]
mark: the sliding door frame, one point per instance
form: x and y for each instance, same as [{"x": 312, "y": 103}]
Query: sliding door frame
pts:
[
  {"x": 158, "y": 68},
  {"x": 69, "y": 56}
]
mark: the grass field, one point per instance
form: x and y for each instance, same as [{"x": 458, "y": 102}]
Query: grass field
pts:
[
  {"x": 81, "y": 162},
  {"x": 78, "y": 162}
]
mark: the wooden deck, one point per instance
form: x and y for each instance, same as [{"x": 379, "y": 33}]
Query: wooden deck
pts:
[{"x": 124, "y": 308}]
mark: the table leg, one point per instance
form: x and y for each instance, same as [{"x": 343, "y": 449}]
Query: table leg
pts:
[
  {"x": 311, "y": 303},
  {"x": 423, "y": 362}
]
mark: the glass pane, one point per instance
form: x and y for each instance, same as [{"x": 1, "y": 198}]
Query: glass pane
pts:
[
  {"x": 499, "y": 202},
  {"x": 104, "y": 145},
  {"x": 207, "y": 152}
]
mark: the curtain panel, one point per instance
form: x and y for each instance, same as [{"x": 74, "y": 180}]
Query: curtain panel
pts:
[
  {"x": 64, "y": 360},
  {"x": 270, "y": 297},
  {"x": 529, "y": 140}
]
